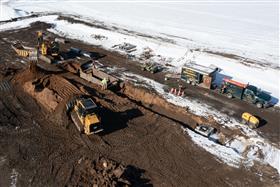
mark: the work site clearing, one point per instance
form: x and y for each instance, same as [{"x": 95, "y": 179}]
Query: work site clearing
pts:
[{"x": 150, "y": 136}]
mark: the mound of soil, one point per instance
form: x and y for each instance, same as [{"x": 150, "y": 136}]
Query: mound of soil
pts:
[
  {"x": 105, "y": 172},
  {"x": 46, "y": 97}
]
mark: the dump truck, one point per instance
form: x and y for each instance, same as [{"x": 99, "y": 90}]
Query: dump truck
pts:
[
  {"x": 97, "y": 76},
  {"x": 84, "y": 114},
  {"x": 22, "y": 50},
  {"x": 250, "y": 120},
  {"x": 197, "y": 74},
  {"x": 245, "y": 92}
]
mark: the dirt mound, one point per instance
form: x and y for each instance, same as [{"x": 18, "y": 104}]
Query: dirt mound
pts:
[
  {"x": 59, "y": 85},
  {"x": 47, "y": 98},
  {"x": 105, "y": 172}
]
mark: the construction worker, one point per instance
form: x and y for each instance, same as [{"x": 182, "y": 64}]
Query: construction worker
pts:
[
  {"x": 180, "y": 86},
  {"x": 104, "y": 83}
]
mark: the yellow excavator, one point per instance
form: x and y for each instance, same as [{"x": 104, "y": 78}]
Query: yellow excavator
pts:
[
  {"x": 83, "y": 113},
  {"x": 47, "y": 47}
]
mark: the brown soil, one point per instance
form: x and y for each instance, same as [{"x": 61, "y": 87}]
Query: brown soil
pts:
[{"x": 104, "y": 172}]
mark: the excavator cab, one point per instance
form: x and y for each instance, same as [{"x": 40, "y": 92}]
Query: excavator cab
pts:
[
  {"x": 85, "y": 116},
  {"x": 54, "y": 49}
]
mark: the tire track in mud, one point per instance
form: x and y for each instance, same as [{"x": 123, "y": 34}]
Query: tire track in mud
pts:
[{"x": 5, "y": 86}]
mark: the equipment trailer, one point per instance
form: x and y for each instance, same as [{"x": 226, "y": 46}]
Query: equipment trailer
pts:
[{"x": 196, "y": 74}]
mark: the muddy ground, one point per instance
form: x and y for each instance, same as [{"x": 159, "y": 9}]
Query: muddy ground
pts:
[{"x": 39, "y": 147}]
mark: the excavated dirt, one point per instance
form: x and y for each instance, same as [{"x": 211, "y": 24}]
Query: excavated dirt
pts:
[
  {"x": 104, "y": 172},
  {"x": 46, "y": 97},
  {"x": 40, "y": 146}
]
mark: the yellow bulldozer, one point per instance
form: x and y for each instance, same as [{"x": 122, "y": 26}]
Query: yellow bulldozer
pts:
[{"x": 84, "y": 114}]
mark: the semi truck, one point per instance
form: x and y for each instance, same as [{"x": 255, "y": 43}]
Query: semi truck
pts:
[{"x": 245, "y": 92}]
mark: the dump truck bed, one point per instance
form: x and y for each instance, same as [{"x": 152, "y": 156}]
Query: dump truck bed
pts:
[
  {"x": 22, "y": 50},
  {"x": 95, "y": 76}
]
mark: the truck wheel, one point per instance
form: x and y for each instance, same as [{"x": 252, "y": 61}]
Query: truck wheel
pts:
[
  {"x": 229, "y": 95},
  {"x": 259, "y": 105}
]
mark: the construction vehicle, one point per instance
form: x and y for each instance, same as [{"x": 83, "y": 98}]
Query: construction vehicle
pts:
[
  {"x": 84, "y": 114},
  {"x": 22, "y": 50},
  {"x": 245, "y": 92},
  {"x": 151, "y": 67},
  {"x": 97, "y": 76},
  {"x": 250, "y": 120},
  {"x": 197, "y": 74},
  {"x": 205, "y": 130},
  {"x": 48, "y": 49}
]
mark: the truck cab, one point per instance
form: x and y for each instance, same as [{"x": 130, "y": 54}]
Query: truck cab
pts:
[{"x": 254, "y": 95}]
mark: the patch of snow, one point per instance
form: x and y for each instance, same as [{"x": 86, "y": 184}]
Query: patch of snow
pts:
[
  {"x": 7, "y": 12},
  {"x": 226, "y": 154},
  {"x": 26, "y": 22},
  {"x": 14, "y": 178}
]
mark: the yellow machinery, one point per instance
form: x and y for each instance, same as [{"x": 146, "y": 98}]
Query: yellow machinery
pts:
[
  {"x": 84, "y": 116},
  {"x": 22, "y": 50},
  {"x": 47, "y": 47},
  {"x": 250, "y": 120}
]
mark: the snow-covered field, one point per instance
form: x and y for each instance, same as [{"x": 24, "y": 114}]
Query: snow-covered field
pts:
[{"x": 248, "y": 30}]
